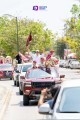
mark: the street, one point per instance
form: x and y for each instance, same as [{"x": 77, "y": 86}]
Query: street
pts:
[{"x": 15, "y": 109}]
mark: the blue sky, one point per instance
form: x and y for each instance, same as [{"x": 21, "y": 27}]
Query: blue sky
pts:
[{"x": 53, "y": 16}]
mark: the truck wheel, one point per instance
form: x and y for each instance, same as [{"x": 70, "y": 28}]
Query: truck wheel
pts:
[
  {"x": 17, "y": 83},
  {"x": 25, "y": 100}
]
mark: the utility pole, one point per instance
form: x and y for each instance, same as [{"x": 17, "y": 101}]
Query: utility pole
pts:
[
  {"x": 17, "y": 41},
  {"x": 17, "y": 34}
]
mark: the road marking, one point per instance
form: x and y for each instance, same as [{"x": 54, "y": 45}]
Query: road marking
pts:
[{"x": 4, "y": 103}]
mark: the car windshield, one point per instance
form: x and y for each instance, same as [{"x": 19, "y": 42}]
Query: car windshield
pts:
[
  {"x": 75, "y": 62},
  {"x": 38, "y": 73},
  {"x": 70, "y": 100},
  {"x": 5, "y": 66},
  {"x": 54, "y": 72},
  {"x": 25, "y": 67}
]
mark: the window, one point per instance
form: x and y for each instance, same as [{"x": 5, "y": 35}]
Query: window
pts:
[{"x": 70, "y": 100}]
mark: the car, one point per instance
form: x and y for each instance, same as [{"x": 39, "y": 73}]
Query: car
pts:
[
  {"x": 34, "y": 82},
  {"x": 6, "y": 71},
  {"x": 68, "y": 62},
  {"x": 66, "y": 103},
  {"x": 61, "y": 63},
  {"x": 16, "y": 74},
  {"x": 75, "y": 64},
  {"x": 23, "y": 70}
]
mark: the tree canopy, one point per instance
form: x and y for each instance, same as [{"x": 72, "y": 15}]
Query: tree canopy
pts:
[{"x": 42, "y": 37}]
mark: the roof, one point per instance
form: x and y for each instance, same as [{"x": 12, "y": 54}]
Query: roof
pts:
[
  {"x": 28, "y": 63},
  {"x": 71, "y": 83}
]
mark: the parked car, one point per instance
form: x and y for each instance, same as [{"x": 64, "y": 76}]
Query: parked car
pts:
[
  {"x": 16, "y": 74},
  {"x": 6, "y": 71},
  {"x": 34, "y": 82},
  {"x": 66, "y": 103},
  {"x": 61, "y": 63},
  {"x": 68, "y": 62},
  {"x": 23, "y": 70},
  {"x": 75, "y": 65}
]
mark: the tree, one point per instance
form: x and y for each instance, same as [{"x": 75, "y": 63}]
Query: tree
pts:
[
  {"x": 72, "y": 29},
  {"x": 42, "y": 37},
  {"x": 60, "y": 45}
]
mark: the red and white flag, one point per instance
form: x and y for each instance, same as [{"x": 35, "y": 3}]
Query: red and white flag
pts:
[
  {"x": 29, "y": 39},
  {"x": 49, "y": 55},
  {"x": 22, "y": 56}
]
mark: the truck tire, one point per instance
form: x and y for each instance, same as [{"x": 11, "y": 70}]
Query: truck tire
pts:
[
  {"x": 14, "y": 83},
  {"x": 17, "y": 83},
  {"x": 25, "y": 100}
]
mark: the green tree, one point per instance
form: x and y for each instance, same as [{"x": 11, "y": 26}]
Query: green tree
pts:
[
  {"x": 72, "y": 29},
  {"x": 60, "y": 45},
  {"x": 42, "y": 37}
]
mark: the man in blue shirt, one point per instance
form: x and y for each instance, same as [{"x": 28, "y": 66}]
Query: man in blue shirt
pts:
[{"x": 53, "y": 90}]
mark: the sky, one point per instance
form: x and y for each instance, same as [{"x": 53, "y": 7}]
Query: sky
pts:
[{"x": 53, "y": 16}]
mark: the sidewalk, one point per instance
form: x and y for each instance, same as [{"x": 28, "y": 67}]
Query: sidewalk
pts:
[{"x": 5, "y": 94}]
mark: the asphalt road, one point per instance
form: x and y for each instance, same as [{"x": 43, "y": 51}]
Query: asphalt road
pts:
[{"x": 15, "y": 109}]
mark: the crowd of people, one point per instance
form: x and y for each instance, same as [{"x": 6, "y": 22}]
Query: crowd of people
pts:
[
  {"x": 38, "y": 59},
  {"x": 7, "y": 59}
]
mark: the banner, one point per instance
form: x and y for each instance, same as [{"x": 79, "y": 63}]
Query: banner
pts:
[
  {"x": 22, "y": 56},
  {"x": 49, "y": 55},
  {"x": 29, "y": 39}
]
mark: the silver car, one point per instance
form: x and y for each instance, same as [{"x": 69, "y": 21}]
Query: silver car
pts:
[
  {"x": 24, "y": 69},
  {"x": 75, "y": 65},
  {"x": 66, "y": 105},
  {"x": 16, "y": 74}
]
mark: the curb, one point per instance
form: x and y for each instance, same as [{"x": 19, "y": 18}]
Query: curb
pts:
[{"x": 4, "y": 103}]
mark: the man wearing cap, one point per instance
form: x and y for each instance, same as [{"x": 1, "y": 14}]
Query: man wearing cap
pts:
[
  {"x": 53, "y": 91},
  {"x": 34, "y": 66},
  {"x": 42, "y": 63},
  {"x": 28, "y": 57},
  {"x": 36, "y": 57}
]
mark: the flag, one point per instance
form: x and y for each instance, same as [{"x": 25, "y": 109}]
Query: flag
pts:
[
  {"x": 49, "y": 55},
  {"x": 29, "y": 39},
  {"x": 22, "y": 56}
]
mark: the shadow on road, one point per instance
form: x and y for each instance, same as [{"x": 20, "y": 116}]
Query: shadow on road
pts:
[
  {"x": 6, "y": 79},
  {"x": 21, "y": 104}
]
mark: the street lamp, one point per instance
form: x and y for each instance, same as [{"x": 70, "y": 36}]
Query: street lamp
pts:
[{"x": 17, "y": 42}]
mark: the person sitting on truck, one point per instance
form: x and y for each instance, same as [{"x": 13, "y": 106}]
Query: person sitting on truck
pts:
[
  {"x": 42, "y": 63},
  {"x": 47, "y": 67},
  {"x": 34, "y": 66}
]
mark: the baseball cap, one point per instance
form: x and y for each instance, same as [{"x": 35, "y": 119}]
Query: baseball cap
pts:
[
  {"x": 51, "y": 51},
  {"x": 42, "y": 58},
  {"x": 37, "y": 50}
]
